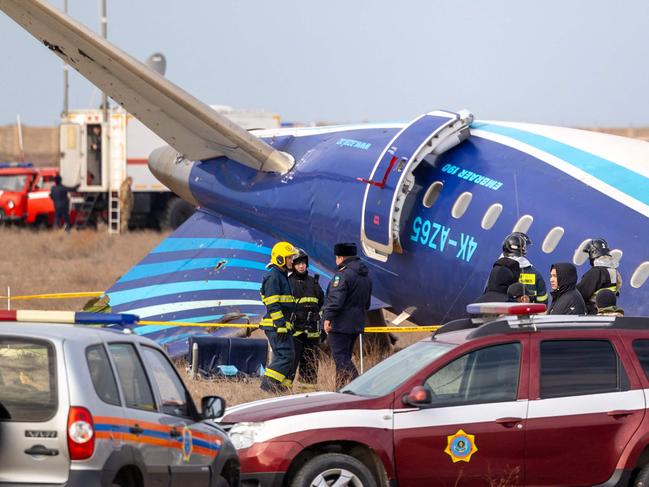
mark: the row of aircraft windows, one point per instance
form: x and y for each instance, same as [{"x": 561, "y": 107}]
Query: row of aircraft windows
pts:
[{"x": 550, "y": 242}]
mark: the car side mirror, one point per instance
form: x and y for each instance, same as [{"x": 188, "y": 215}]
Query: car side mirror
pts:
[
  {"x": 212, "y": 407},
  {"x": 419, "y": 396}
]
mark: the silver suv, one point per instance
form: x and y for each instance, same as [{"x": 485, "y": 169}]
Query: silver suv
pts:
[{"x": 86, "y": 406}]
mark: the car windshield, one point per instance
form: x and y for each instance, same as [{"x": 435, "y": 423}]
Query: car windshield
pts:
[
  {"x": 389, "y": 374},
  {"x": 13, "y": 183}
]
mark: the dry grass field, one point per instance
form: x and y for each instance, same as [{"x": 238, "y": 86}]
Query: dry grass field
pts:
[{"x": 43, "y": 262}]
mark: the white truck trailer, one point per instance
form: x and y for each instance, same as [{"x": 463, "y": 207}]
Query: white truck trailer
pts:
[{"x": 97, "y": 156}]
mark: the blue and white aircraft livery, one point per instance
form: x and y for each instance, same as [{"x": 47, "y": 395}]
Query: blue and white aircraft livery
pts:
[{"x": 428, "y": 201}]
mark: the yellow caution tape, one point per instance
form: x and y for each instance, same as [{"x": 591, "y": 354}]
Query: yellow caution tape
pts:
[
  {"x": 204, "y": 325},
  {"x": 89, "y": 294},
  {"x": 369, "y": 329},
  {"x": 399, "y": 329}
]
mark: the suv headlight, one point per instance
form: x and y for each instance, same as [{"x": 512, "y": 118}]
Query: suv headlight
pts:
[
  {"x": 11, "y": 204},
  {"x": 244, "y": 435}
]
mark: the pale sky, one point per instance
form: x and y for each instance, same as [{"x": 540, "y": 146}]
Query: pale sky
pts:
[{"x": 565, "y": 62}]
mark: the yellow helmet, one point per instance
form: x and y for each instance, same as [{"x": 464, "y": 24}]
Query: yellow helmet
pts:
[{"x": 282, "y": 250}]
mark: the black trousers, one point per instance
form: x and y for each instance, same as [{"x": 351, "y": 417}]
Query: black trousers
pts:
[
  {"x": 342, "y": 348},
  {"x": 279, "y": 370},
  {"x": 62, "y": 213},
  {"x": 306, "y": 357}
]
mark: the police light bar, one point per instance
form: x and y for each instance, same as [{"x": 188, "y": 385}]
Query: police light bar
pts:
[
  {"x": 69, "y": 317},
  {"x": 505, "y": 308},
  {"x": 5, "y": 165}
]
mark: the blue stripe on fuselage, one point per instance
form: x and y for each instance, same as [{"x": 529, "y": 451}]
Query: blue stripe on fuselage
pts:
[
  {"x": 150, "y": 270},
  {"x": 173, "y": 244},
  {"x": 121, "y": 297},
  {"x": 619, "y": 177}
]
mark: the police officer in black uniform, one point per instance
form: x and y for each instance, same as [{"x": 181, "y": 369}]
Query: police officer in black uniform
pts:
[
  {"x": 515, "y": 248},
  {"x": 348, "y": 298},
  {"x": 603, "y": 274},
  {"x": 276, "y": 294},
  {"x": 309, "y": 298}
]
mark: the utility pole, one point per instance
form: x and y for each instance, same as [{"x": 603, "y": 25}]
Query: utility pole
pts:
[{"x": 66, "y": 85}]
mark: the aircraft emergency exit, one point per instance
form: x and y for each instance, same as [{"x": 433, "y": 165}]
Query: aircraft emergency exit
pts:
[{"x": 428, "y": 201}]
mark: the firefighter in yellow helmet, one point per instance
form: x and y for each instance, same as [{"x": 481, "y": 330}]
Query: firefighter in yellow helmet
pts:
[{"x": 278, "y": 298}]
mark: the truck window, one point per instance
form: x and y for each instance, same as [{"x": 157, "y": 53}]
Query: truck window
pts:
[
  {"x": 15, "y": 182},
  {"x": 43, "y": 182},
  {"x": 28, "y": 389},
  {"x": 579, "y": 367}
]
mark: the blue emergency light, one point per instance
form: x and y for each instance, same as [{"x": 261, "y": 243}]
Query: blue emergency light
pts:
[{"x": 8, "y": 165}]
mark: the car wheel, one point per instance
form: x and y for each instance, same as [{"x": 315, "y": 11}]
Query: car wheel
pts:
[
  {"x": 221, "y": 482},
  {"x": 333, "y": 469},
  {"x": 642, "y": 480}
]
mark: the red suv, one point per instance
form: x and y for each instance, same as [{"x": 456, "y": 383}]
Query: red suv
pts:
[
  {"x": 517, "y": 399},
  {"x": 25, "y": 193}
]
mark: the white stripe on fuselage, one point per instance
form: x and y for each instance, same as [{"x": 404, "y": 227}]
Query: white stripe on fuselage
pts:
[
  {"x": 632, "y": 154},
  {"x": 567, "y": 168},
  {"x": 308, "y": 131},
  {"x": 160, "y": 309}
]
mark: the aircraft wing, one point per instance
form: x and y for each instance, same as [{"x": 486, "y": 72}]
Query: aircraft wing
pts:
[{"x": 191, "y": 127}]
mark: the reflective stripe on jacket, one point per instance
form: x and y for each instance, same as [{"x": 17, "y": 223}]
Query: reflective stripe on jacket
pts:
[{"x": 277, "y": 297}]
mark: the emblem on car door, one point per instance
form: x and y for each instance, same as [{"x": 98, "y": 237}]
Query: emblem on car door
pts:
[
  {"x": 461, "y": 446},
  {"x": 187, "y": 444}
]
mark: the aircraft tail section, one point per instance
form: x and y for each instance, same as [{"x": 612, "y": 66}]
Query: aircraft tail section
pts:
[
  {"x": 208, "y": 271},
  {"x": 191, "y": 127}
]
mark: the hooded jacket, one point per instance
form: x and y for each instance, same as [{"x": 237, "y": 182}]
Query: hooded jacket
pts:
[
  {"x": 566, "y": 300},
  {"x": 504, "y": 273},
  {"x": 348, "y": 297},
  {"x": 602, "y": 275}
]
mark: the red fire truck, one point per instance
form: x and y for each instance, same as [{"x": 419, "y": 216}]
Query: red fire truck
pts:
[{"x": 25, "y": 193}]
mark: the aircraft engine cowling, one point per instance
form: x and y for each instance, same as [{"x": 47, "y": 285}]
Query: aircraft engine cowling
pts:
[{"x": 173, "y": 171}]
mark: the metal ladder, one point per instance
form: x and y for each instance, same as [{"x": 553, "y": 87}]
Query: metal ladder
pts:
[
  {"x": 114, "y": 215},
  {"x": 85, "y": 211}
]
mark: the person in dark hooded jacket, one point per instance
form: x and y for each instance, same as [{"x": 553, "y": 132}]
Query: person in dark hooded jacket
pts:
[
  {"x": 566, "y": 300},
  {"x": 504, "y": 273},
  {"x": 347, "y": 300}
]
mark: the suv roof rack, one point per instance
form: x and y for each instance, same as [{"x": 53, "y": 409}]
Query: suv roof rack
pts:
[
  {"x": 559, "y": 322},
  {"x": 497, "y": 318}
]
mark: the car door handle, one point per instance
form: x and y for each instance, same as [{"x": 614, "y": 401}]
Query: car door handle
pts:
[
  {"x": 136, "y": 430},
  {"x": 509, "y": 421},
  {"x": 42, "y": 450},
  {"x": 619, "y": 413},
  {"x": 175, "y": 433}
]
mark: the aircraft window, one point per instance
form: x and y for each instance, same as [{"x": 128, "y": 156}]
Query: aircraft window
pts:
[
  {"x": 491, "y": 216},
  {"x": 461, "y": 204},
  {"x": 432, "y": 193},
  {"x": 552, "y": 239},
  {"x": 640, "y": 275},
  {"x": 579, "y": 257},
  {"x": 523, "y": 224}
]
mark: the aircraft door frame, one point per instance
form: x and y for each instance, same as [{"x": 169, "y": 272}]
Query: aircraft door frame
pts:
[
  {"x": 73, "y": 140},
  {"x": 432, "y": 133}
]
